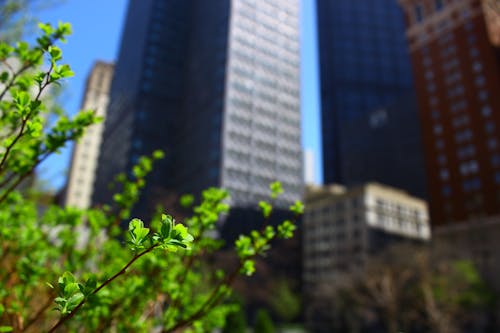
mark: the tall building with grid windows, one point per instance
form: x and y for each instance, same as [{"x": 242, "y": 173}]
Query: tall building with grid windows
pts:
[
  {"x": 214, "y": 84},
  {"x": 457, "y": 77},
  {"x": 78, "y": 190},
  {"x": 365, "y": 68}
]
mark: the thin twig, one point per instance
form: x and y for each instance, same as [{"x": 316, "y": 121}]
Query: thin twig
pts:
[
  {"x": 24, "y": 176},
  {"x": 24, "y": 121},
  {"x": 65, "y": 318},
  {"x": 215, "y": 296}
]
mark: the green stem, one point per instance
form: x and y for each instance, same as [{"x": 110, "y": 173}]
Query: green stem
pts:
[{"x": 67, "y": 317}]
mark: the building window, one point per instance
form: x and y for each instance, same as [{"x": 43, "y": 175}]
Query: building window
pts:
[
  {"x": 489, "y": 127},
  {"x": 427, "y": 61},
  {"x": 483, "y": 95},
  {"x": 446, "y": 190},
  {"x": 469, "y": 167},
  {"x": 474, "y": 52},
  {"x": 438, "y": 4},
  {"x": 471, "y": 39},
  {"x": 419, "y": 13},
  {"x": 464, "y": 135},
  {"x": 495, "y": 160},
  {"x": 477, "y": 67},
  {"x": 471, "y": 184},
  {"x": 429, "y": 75},
  {"x": 480, "y": 80},
  {"x": 466, "y": 152},
  {"x": 460, "y": 121},
  {"x": 458, "y": 106},
  {"x": 444, "y": 174},
  {"x": 486, "y": 110},
  {"x": 492, "y": 143},
  {"x": 441, "y": 159},
  {"x": 438, "y": 129}
]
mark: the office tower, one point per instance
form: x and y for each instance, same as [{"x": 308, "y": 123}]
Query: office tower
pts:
[
  {"x": 385, "y": 145},
  {"x": 214, "y": 84},
  {"x": 344, "y": 228},
  {"x": 309, "y": 172},
  {"x": 457, "y": 77},
  {"x": 364, "y": 67},
  {"x": 79, "y": 186}
]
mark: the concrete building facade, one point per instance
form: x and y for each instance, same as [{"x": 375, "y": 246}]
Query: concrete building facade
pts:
[
  {"x": 79, "y": 186},
  {"x": 344, "y": 227}
]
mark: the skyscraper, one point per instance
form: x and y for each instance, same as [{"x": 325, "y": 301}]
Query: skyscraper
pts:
[
  {"x": 385, "y": 145},
  {"x": 78, "y": 191},
  {"x": 215, "y": 84},
  {"x": 457, "y": 76},
  {"x": 364, "y": 67}
]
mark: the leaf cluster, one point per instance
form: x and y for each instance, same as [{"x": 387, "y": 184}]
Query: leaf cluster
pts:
[{"x": 156, "y": 274}]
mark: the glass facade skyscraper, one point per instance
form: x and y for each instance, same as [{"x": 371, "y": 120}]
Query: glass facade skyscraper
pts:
[
  {"x": 364, "y": 66},
  {"x": 215, "y": 84}
]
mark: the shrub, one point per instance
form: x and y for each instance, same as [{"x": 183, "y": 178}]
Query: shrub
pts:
[{"x": 79, "y": 262}]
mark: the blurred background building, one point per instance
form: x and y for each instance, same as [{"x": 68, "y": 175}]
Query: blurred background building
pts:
[
  {"x": 80, "y": 183},
  {"x": 364, "y": 67},
  {"x": 385, "y": 145},
  {"x": 345, "y": 228},
  {"x": 216, "y": 86},
  {"x": 457, "y": 79}
]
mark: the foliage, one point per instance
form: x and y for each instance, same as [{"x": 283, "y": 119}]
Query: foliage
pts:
[
  {"x": 408, "y": 288},
  {"x": 16, "y": 18},
  {"x": 235, "y": 322},
  {"x": 263, "y": 322},
  {"x": 96, "y": 276},
  {"x": 285, "y": 302}
]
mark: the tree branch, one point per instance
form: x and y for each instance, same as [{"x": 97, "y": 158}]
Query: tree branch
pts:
[{"x": 65, "y": 318}]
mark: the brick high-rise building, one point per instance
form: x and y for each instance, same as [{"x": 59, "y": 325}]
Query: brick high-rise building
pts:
[{"x": 457, "y": 77}]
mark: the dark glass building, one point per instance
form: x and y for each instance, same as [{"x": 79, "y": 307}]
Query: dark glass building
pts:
[
  {"x": 385, "y": 145},
  {"x": 215, "y": 85},
  {"x": 364, "y": 66}
]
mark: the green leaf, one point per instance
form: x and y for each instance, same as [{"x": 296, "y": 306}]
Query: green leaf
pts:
[
  {"x": 158, "y": 154},
  {"x": 6, "y": 328},
  {"x": 297, "y": 208},
  {"x": 248, "y": 268},
  {"x": 22, "y": 99},
  {"x": 138, "y": 233},
  {"x": 74, "y": 300},
  {"x": 4, "y": 76},
  {"x": 186, "y": 200},
  {"x": 46, "y": 28},
  {"x": 167, "y": 224},
  {"x": 266, "y": 208},
  {"x": 55, "y": 53},
  {"x": 276, "y": 189},
  {"x": 269, "y": 232},
  {"x": 286, "y": 229}
]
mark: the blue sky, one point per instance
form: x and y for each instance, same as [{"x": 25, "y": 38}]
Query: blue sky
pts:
[{"x": 97, "y": 28}]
